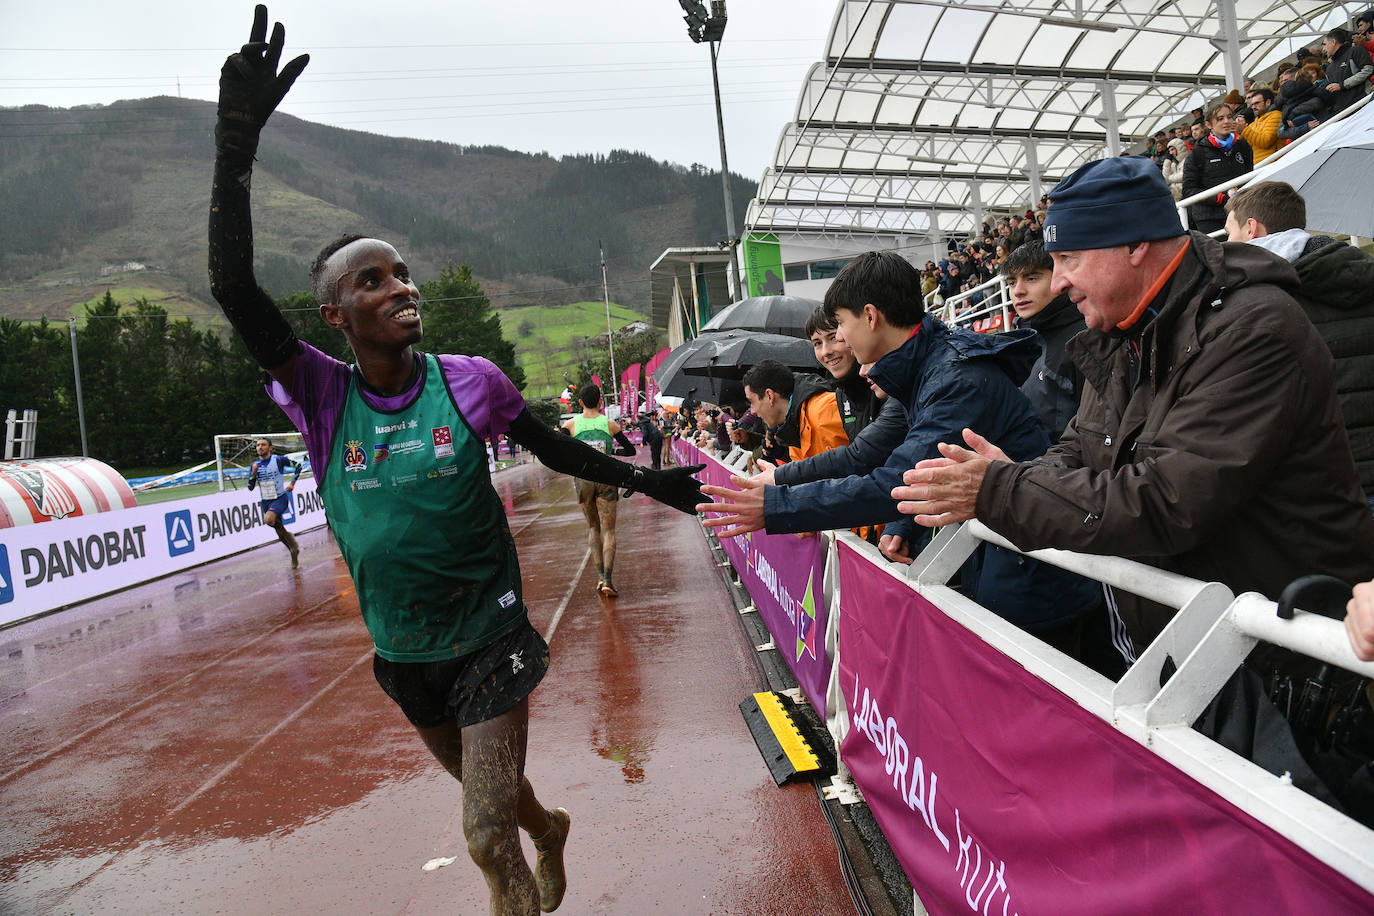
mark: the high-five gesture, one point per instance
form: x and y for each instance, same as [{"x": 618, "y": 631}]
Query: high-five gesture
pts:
[{"x": 250, "y": 88}]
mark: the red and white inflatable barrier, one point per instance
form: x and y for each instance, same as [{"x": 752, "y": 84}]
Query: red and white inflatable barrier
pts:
[{"x": 34, "y": 490}]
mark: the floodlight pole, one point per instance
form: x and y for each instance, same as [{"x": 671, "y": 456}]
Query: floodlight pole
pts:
[
  {"x": 610, "y": 334},
  {"x": 725, "y": 179},
  {"x": 710, "y": 28},
  {"x": 80, "y": 405}
]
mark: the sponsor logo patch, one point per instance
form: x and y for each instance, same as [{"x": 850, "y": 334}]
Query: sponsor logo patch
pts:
[
  {"x": 364, "y": 483},
  {"x": 180, "y": 534},
  {"x": 515, "y": 663},
  {"x": 443, "y": 442},
  {"x": 355, "y": 459},
  {"x": 507, "y": 599},
  {"x": 380, "y": 453},
  {"x": 6, "y": 580}
]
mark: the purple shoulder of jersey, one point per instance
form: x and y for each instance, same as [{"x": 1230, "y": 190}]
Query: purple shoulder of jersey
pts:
[{"x": 319, "y": 386}]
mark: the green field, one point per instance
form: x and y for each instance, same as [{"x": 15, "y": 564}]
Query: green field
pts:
[{"x": 557, "y": 339}]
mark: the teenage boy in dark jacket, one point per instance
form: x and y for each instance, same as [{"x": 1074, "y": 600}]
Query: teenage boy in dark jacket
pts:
[
  {"x": 946, "y": 379},
  {"x": 1055, "y": 383}
]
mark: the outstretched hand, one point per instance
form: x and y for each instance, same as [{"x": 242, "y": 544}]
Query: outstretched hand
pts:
[
  {"x": 942, "y": 491},
  {"x": 674, "y": 487},
  {"x": 742, "y": 509},
  {"x": 250, "y": 88}
]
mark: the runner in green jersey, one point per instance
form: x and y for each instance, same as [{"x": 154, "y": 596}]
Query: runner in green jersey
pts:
[
  {"x": 396, "y": 443},
  {"x": 598, "y": 500}
]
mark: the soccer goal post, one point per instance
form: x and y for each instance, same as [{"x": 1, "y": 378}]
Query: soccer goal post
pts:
[{"x": 234, "y": 452}]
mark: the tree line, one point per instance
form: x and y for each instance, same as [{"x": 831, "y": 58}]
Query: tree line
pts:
[{"x": 156, "y": 389}]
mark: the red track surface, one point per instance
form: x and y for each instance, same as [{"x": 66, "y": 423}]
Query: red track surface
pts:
[{"x": 214, "y": 742}]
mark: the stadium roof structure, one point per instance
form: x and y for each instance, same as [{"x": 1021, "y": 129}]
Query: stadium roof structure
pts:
[{"x": 927, "y": 114}]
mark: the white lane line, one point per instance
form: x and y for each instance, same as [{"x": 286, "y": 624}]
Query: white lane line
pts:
[
  {"x": 180, "y": 682},
  {"x": 224, "y": 772},
  {"x": 572, "y": 587}
]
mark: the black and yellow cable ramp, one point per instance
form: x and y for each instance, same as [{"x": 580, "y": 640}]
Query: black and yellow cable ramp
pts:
[{"x": 787, "y": 751}]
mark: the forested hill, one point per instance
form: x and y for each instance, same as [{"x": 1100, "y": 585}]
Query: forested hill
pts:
[{"x": 118, "y": 196}]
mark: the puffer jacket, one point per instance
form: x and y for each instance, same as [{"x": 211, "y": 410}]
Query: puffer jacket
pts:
[
  {"x": 1228, "y": 462},
  {"x": 1208, "y": 166},
  {"x": 1055, "y": 383},
  {"x": 1337, "y": 292},
  {"x": 945, "y": 379}
]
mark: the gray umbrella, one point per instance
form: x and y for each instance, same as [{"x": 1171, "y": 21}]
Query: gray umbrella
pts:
[
  {"x": 698, "y": 367},
  {"x": 1330, "y": 172},
  {"x": 774, "y": 314}
]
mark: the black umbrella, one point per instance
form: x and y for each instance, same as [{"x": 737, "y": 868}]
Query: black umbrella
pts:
[
  {"x": 698, "y": 367},
  {"x": 775, "y": 314}
]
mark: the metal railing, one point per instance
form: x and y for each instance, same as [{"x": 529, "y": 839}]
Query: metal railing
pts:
[
  {"x": 991, "y": 314},
  {"x": 1208, "y": 638}
]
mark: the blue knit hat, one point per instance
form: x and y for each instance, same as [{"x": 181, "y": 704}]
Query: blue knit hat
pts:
[{"x": 1111, "y": 202}]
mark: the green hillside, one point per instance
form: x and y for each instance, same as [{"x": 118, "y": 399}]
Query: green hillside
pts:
[
  {"x": 116, "y": 198},
  {"x": 550, "y": 340}
]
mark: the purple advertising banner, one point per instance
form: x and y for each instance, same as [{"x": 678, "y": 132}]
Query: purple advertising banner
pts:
[
  {"x": 783, "y": 574},
  {"x": 1001, "y": 795}
]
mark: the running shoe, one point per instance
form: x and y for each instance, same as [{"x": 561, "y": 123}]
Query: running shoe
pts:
[
  {"x": 548, "y": 870},
  {"x": 607, "y": 589}
]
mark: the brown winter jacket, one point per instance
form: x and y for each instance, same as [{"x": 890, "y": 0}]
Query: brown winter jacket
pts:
[{"x": 1228, "y": 463}]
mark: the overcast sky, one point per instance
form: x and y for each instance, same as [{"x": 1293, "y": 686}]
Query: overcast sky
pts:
[{"x": 562, "y": 76}]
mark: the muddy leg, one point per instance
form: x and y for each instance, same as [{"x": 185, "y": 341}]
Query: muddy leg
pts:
[{"x": 496, "y": 798}]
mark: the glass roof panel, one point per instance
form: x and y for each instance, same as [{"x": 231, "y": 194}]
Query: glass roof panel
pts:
[{"x": 916, "y": 75}]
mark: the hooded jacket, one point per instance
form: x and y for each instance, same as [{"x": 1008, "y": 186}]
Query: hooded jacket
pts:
[
  {"x": 1336, "y": 290},
  {"x": 813, "y": 423},
  {"x": 945, "y": 379},
  {"x": 1055, "y": 383},
  {"x": 1228, "y": 461}
]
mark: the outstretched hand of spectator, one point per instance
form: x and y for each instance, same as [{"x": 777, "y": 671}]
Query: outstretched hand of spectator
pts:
[
  {"x": 1359, "y": 621},
  {"x": 942, "y": 491},
  {"x": 764, "y": 478},
  {"x": 893, "y": 546},
  {"x": 742, "y": 508},
  {"x": 250, "y": 88}
]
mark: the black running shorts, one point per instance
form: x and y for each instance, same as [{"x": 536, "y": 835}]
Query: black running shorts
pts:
[{"x": 471, "y": 688}]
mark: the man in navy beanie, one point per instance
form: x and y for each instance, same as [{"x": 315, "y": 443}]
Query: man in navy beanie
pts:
[{"x": 1209, "y": 440}]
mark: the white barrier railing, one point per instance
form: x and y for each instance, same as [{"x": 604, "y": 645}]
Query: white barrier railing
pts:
[
  {"x": 995, "y": 304},
  {"x": 1208, "y": 638}
]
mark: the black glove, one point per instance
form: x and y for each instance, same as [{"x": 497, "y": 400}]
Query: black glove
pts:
[
  {"x": 672, "y": 486},
  {"x": 250, "y": 88}
]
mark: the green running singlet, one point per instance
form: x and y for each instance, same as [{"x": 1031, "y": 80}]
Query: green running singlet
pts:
[
  {"x": 595, "y": 431},
  {"x": 409, "y": 499}
]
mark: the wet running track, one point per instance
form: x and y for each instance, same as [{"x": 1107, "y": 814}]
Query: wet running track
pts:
[{"x": 214, "y": 742}]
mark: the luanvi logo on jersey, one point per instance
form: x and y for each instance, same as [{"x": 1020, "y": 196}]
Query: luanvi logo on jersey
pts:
[
  {"x": 180, "y": 533},
  {"x": 6, "y": 580}
]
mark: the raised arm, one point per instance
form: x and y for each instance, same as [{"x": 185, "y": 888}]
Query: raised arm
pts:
[{"x": 250, "y": 88}]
